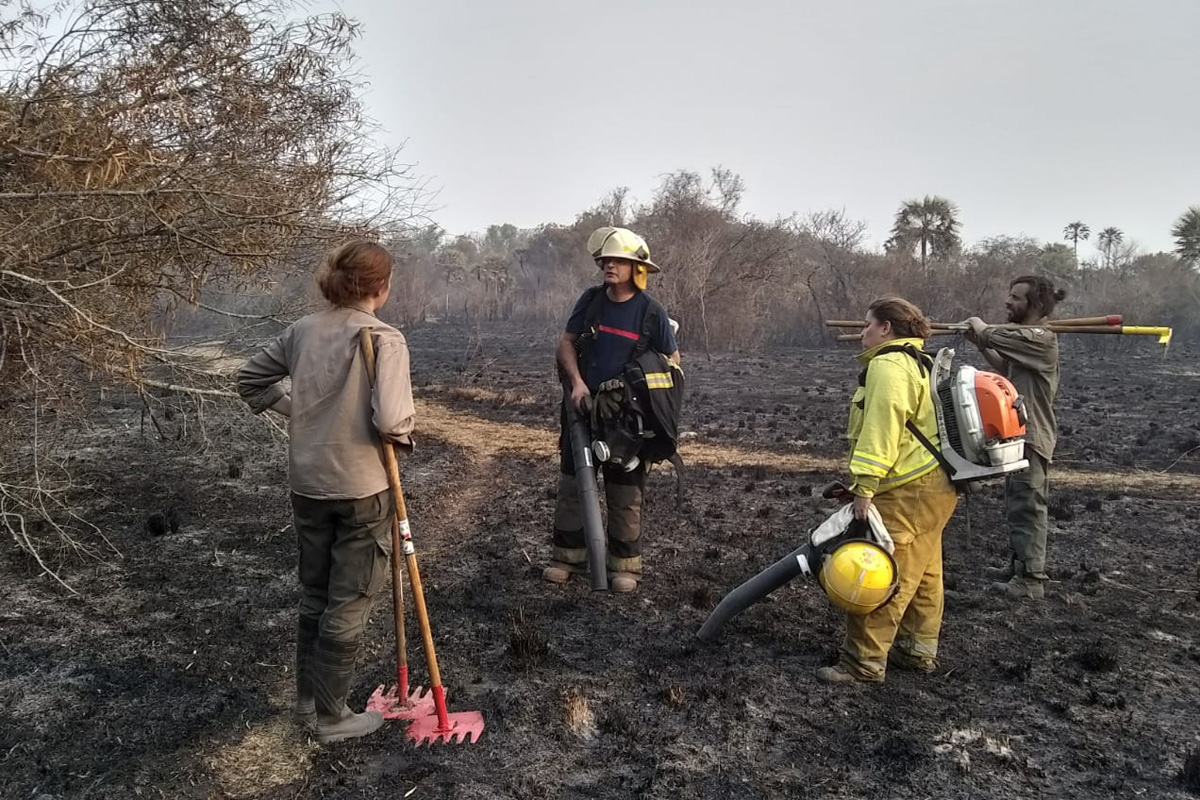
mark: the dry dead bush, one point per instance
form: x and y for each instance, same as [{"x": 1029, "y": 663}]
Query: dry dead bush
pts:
[{"x": 147, "y": 150}]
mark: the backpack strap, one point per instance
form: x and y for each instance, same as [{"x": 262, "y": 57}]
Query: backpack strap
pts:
[
  {"x": 595, "y": 304},
  {"x": 594, "y": 298},
  {"x": 923, "y": 359},
  {"x": 923, "y": 439},
  {"x": 924, "y": 364}
]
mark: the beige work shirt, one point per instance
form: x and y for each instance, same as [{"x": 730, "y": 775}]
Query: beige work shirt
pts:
[
  {"x": 335, "y": 418},
  {"x": 1031, "y": 359}
]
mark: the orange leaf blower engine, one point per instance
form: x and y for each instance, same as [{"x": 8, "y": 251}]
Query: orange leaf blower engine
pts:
[{"x": 981, "y": 422}]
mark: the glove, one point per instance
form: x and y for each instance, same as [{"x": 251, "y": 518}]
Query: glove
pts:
[
  {"x": 609, "y": 398},
  {"x": 608, "y": 405}
]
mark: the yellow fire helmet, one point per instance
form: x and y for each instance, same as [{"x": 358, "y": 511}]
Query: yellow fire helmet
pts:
[
  {"x": 859, "y": 576},
  {"x": 609, "y": 242}
]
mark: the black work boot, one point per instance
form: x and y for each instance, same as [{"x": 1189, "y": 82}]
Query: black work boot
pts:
[
  {"x": 333, "y": 673},
  {"x": 304, "y": 713}
]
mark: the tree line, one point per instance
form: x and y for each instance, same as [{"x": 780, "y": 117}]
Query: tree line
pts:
[
  {"x": 178, "y": 168},
  {"x": 736, "y": 282}
]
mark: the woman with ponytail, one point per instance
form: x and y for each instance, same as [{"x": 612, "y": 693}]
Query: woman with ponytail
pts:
[
  {"x": 895, "y": 473},
  {"x": 341, "y": 504}
]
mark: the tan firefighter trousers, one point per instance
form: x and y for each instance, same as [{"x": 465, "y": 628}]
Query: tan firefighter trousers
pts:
[{"x": 915, "y": 515}]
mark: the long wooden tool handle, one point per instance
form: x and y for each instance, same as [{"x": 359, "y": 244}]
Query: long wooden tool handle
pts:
[
  {"x": 857, "y": 337},
  {"x": 1111, "y": 319},
  {"x": 944, "y": 327},
  {"x": 1054, "y": 326},
  {"x": 414, "y": 577},
  {"x": 398, "y": 613},
  {"x": 405, "y": 534}
]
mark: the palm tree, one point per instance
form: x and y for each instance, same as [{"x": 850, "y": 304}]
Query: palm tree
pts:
[
  {"x": 1074, "y": 232},
  {"x": 1187, "y": 236},
  {"x": 1107, "y": 240},
  {"x": 930, "y": 224}
]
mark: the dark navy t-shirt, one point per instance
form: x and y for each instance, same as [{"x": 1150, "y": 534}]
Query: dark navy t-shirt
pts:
[{"x": 617, "y": 329}]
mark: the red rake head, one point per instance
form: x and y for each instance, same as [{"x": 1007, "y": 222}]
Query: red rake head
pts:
[
  {"x": 463, "y": 726},
  {"x": 389, "y": 703}
]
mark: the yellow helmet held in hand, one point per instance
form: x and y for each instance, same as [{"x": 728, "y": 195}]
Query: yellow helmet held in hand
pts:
[
  {"x": 609, "y": 242},
  {"x": 859, "y": 576}
]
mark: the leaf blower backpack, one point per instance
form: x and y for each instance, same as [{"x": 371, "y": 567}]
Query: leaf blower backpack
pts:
[{"x": 980, "y": 417}]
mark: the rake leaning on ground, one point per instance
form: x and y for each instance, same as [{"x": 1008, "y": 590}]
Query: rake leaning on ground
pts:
[{"x": 437, "y": 724}]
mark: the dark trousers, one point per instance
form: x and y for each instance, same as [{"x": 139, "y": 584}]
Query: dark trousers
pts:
[
  {"x": 344, "y": 550},
  {"x": 1027, "y": 502}
]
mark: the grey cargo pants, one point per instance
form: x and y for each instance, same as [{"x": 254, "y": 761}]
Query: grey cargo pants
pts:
[
  {"x": 1027, "y": 502},
  {"x": 344, "y": 550}
]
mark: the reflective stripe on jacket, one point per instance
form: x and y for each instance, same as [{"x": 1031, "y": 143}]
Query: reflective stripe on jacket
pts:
[{"x": 883, "y": 453}]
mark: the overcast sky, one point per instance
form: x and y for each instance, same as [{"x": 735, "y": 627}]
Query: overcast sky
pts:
[{"x": 1029, "y": 114}]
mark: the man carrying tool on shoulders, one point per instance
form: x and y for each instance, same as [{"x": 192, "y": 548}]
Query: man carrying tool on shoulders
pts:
[
  {"x": 1027, "y": 356},
  {"x": 609, "y": 326}
]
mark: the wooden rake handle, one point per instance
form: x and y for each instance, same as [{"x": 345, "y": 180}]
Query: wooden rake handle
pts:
[{"x": 402, "y": 536}]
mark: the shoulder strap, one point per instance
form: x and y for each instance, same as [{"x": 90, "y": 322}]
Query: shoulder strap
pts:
[
  {"x": 925, "y": 364},
  {"x": 923, "y": 439},
  {"x": 651, "y": 319},
  {"x": 924, "y": 360},
  {"x": 593, "y": 297},
  {"x": 595, "y": 303}
]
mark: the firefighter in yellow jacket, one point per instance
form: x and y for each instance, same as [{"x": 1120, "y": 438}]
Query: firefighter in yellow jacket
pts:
[{"x": 894, "y": 472}]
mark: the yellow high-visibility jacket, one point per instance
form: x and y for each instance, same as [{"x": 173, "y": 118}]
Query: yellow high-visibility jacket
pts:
[{"x": 883, "y": 452}]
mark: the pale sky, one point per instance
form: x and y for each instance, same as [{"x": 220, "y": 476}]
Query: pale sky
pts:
[{"x": 1029, "y": 114}]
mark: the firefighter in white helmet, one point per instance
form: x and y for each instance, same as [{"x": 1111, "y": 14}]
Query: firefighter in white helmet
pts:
[
  {"x": 608, "y": 327},
  {"x": 894, "y": 473}
]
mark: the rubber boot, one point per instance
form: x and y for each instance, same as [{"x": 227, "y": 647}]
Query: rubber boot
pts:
[
  {"x": 304, "y": 712},
  {"x": 334, "y": 662}
]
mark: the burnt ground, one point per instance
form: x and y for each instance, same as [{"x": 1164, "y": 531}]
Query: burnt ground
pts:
[{"x": 170, "y": 675}]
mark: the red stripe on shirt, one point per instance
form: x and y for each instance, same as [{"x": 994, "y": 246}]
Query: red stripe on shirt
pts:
[{"x": 617, "y": 332}]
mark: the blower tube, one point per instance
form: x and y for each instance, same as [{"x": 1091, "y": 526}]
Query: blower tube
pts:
[
  {"x": 589, "y": 497},
  {"x": 754, "y": 590}
]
